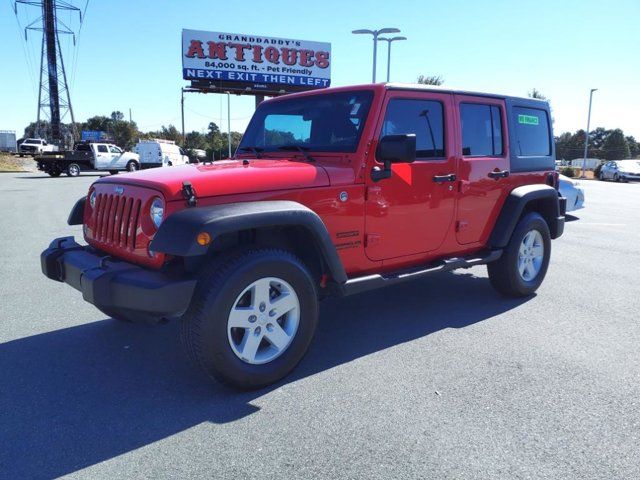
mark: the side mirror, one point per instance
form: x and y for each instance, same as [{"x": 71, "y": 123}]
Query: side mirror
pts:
[{"x": 393, "y": 149}]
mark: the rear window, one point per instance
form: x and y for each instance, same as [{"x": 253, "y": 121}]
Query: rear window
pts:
[{"x": 532, "y": 132}]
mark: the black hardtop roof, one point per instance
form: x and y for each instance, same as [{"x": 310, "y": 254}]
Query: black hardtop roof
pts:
[{"x": 442, "y": 89}]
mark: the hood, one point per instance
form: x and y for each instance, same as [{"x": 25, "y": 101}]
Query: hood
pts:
[
  {"x": 631, "y": 166},
  {"x": 227, "y": 177}
]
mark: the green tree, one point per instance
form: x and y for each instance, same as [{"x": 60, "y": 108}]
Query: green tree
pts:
[
  {"x": 535, "y": 93},
  {"x": 634, "y": 147},
  {"x": 195, "y": 140},
  {"x": 430, "y": 80},
  {"x": 615, "y": 146}
]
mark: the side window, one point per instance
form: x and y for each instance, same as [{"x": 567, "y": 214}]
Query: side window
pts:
[
  {"x": 532, "y": 132},
  {"x": 481, "y": 130},
  {"x": 102, "y": 149},
  {"x": 113, "y": 149},
  {"x": 424, "y": 118}
]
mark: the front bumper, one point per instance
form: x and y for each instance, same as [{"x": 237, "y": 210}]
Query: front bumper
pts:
[
  {"x": 630, "y": 176},
  {"x": 113, "y": 284}
]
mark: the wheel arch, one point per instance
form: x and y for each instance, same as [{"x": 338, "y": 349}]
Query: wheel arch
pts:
[
  {"x": 539, "y": 198},
  {"x": 283, "y": 224}
]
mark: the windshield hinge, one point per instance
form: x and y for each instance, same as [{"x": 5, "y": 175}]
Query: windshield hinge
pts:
[{"x": 189, "y": 193}]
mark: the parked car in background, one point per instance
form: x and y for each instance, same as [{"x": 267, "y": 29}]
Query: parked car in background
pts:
[
  {"x": 88, "y": 156},
  {"x": 35, "y": 146},
  {"x": 160, "y": 153},
  {"x": 620, "y": 170},
  {"x": 573, "y": 192}
]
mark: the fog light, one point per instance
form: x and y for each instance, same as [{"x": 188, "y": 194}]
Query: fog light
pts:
[{"x": 203, "y": 239}]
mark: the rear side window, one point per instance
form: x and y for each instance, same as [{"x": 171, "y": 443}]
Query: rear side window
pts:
[
  {"x": 481, "y": 130},
  {"x": 102, "y": 148},
  {"x": 424, "y": 118},
  {"x": 532, "y": 132}
]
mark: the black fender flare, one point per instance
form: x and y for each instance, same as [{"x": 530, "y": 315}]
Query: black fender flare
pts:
[
  {"x": 76, "y": 216},
  {"x": 547, "y": 203},
  {"x": 177, "y": 233}
]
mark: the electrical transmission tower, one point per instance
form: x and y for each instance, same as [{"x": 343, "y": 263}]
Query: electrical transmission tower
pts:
[{"x": 54, "y": 100}]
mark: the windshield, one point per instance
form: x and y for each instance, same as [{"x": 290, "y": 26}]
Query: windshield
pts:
[
  {"x": 32, "y": 140},
  {"x": 331, "y": 122}
]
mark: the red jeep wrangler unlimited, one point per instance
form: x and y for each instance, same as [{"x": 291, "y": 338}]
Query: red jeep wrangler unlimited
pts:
[{"x": 330, "y": 192}]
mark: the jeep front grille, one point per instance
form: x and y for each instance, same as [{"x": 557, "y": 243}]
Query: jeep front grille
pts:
[{"x": 117, "y": 218}]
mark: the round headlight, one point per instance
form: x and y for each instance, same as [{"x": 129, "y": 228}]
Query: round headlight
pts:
[
  {"x": 157, "y": 211},
  {"x": 92, "y": 199}
]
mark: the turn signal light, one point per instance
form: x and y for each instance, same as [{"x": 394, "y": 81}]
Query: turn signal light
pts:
[{"x": 203, "y": 239}]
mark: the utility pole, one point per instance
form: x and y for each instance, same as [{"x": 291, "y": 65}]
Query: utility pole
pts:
[
  {"x": 54, "y": 100},
  {"x": 130, "y": 120},
  {"x": 375, "y": 34},
  {"x": 586, "y": 139}
]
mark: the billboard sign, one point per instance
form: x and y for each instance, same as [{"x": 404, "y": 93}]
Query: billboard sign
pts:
[
  {"x": 94, "y": 135},
  {"x": 253, "y": 62}
]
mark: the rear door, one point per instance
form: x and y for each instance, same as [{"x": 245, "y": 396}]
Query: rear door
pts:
[
  {"x": 102, "y": 156},
  {"x": 411, "y": 212},
  {"x": 483, "y": 165}
]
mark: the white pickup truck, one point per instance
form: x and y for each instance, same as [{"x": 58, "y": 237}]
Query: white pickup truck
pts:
[
  {"x": 35, "y": 146},
  {"x": 88, "y": 157}
]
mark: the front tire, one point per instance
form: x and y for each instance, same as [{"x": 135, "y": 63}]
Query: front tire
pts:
[
  {"x": 524, "y": 262},
  {"x": 54, "y": 173},
  {"x": 132, "y": 166},
  {"x": 252, "y": 317},
  {"x": 113, "y": 172}
]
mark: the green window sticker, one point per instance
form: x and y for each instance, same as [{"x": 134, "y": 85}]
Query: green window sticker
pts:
[{"x": 528, "y": 120}]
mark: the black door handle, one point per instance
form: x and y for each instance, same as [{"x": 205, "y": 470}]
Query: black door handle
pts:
[
  {"x": 498, "y": 174},
  {"x": 444, "y": 178}
]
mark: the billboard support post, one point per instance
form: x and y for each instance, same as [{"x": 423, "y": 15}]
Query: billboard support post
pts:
[
  {"x": 182, "y": 111},
  {"x": 229, "y": 121}
]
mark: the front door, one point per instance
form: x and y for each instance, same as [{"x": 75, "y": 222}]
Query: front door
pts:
[
  {"x": 483, "y": 167},
  {"x": 117, "y": 161},
  {"x": 411, "y": 212}
]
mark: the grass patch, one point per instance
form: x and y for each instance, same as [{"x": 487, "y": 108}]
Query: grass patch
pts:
[{"x": 10, "y": 163}]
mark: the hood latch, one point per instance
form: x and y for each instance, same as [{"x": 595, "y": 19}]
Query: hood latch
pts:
[{"x": 189, "y": 193}]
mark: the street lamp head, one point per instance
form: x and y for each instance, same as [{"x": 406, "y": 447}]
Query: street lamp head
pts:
[
  {"x": 388, "y": 30},
  {"x": 392, "y": 39},
  {"x": 594, "y": 89},
  {"x": 363, "y": 30}
]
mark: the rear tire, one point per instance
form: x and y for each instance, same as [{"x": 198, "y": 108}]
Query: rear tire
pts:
[
  {"x": 520, "y": 271},
  {"x": 73, "y": 170},
  {"x": 54, "y": 173},
  {"x": 601, "y": 176},
  {"x": 230, "y": 312},
  {"x": 113, "y": 172}
]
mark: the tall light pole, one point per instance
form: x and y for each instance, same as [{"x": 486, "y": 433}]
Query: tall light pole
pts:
[
  {"x": 375, "y": 34},
  {"x": 389, "y": 40},
  {"x": 586, "y": 139}
]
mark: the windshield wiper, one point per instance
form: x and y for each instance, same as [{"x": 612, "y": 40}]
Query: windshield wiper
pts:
[
  {"x": 256, "y": 150},
  {"x": 300, "y": 148}
]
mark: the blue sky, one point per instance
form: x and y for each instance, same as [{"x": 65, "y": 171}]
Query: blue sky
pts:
[{"x": 129, "y": 54}]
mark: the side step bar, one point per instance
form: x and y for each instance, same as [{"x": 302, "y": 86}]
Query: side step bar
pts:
[{"x": 370, "y": 282}]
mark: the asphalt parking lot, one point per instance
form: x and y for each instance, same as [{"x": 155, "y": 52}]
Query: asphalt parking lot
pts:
[{"x": 439, "y": 378}]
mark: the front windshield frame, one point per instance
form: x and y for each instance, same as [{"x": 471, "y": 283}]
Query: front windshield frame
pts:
[{"x": 364, "y": 98}]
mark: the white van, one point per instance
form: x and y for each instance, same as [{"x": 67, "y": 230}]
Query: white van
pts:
[{"x": 160, "y": 153}]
